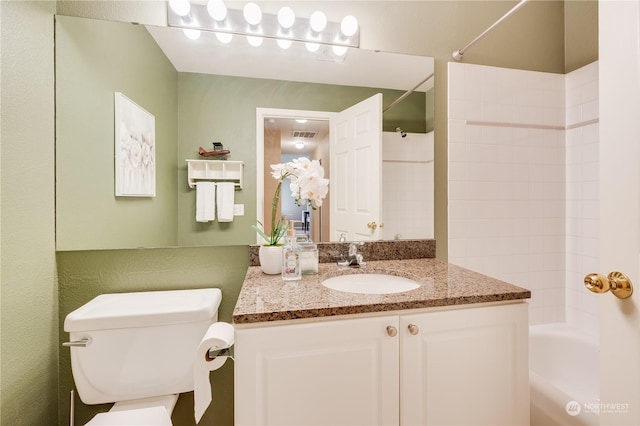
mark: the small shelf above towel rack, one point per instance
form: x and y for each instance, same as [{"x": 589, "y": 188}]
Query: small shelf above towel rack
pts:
[{"x": 216, "y": 171}]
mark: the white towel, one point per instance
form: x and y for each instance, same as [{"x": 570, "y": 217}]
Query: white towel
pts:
[
  {"x": 205, "y": 201},
  {"x": 225, "y": 200}
]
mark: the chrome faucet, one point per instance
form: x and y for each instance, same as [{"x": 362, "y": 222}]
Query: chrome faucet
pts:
[{"x": 354, "y": 259}]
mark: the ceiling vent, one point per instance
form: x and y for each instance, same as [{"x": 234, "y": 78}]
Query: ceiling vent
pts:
[{"x": 304, "y": 134}]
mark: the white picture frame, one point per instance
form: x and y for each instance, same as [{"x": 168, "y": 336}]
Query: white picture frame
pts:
[{"x": 135, "y": 149}]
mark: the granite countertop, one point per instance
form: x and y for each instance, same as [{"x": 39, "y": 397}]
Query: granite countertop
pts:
[{"x": 268, "y": 298}]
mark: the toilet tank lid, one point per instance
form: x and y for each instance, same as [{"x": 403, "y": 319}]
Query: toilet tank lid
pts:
[{"x": 143, "y": 309}]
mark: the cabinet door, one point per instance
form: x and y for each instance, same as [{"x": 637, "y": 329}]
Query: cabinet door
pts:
[
  {"x": 327, "y": 373},
  {"x": 465, "y": 367}
]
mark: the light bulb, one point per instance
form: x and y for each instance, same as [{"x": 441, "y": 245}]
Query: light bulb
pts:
[
  {"x": 318, "y": 21},
  {"x": 301, "y": 120},
  {"x": 224, "y": 37},
  {"x": 349, "y": 26},
  {"x": 180, "y": 7},
  {"x": 254, "y": 41},
  {"x": 300, "y": 145},
  {"x": 312, "y": 47},
  {"x": 191, "y": 34},
  {"x": 217, "y": 10},
  {"x": 252, "y": 13},
  {"x": 284, "y": 43},
  {"x": 286, "y": 17},
  {"x": 339, "y": 50}
]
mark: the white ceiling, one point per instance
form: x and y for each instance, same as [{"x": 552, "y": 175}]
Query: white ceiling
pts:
[
  {"x": 364, "y": 68},
  {"x": 287, "y": 125}
]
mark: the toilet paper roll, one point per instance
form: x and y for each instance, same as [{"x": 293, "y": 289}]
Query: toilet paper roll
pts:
[{"x": 219, "y": 335}]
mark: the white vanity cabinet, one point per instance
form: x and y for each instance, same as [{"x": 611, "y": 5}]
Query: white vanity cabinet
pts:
[
  {"x": 342, "y": 372},
  {"x": 465, "y": 365}
]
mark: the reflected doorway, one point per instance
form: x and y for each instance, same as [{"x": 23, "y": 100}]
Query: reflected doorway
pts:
[
  {"x": 286, "y": 139},
  {"x": 287, "y": 135}
]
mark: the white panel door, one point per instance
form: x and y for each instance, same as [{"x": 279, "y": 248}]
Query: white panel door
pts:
[
  {"x": 465, "y": 367},
  {"x": 324, "y": 373},
  {"x": 356, "y": 171},
  {"x": 619, "y": 26}
]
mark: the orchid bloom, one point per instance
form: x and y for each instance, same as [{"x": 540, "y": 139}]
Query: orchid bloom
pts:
[{"x": 307, "y": 182}]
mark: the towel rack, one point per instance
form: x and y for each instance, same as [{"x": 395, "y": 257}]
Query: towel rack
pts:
[{"x": 216, "y": 171}]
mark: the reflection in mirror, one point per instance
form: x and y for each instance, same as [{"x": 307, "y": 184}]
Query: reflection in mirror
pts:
[
  {"x": 93, "y": 60},
  {"x": 407, "y": 175},
  {"x": 195, "y": 103},
  {"x": 404, "y": 168},
  {"x": 284, "y": 136}
]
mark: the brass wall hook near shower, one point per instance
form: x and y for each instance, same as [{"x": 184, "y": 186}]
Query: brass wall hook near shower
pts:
[{"x": 619, "y": 284}]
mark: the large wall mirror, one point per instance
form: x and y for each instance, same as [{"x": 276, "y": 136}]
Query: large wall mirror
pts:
[{"x": 198, "y": 96}]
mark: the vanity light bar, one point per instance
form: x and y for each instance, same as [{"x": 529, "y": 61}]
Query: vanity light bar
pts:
[{"x": 234, "y": 23}]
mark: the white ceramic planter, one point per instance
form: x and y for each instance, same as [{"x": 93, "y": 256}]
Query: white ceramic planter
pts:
[{"x": 270, "y": 259}]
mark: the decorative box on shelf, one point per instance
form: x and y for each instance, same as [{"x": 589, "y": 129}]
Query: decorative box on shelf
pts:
[{"x": 216, "y": 171}]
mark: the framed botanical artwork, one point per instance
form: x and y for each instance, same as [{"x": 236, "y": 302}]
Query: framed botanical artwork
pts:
[{"x": 135, "y": 149}]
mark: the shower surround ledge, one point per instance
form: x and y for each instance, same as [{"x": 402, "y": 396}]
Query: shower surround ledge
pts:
[{"x": 265, "y": 298}]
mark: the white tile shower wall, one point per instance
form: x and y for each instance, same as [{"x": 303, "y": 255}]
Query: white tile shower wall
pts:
[
  {"x": 506, "y": 182},
  {"x": 582, "y": 196},
  {"x": 407, "y": 185}
]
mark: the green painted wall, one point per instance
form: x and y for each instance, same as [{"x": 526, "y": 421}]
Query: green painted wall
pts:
[
  {"x": 28, "y": 285},
  {"x": 94, "y": 59},
  {"x": 580, "y": 34}
]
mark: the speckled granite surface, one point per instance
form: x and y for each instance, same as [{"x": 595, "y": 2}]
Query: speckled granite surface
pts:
[
  {"x": 375, "y": 250},
  {"x": 269, "y": 298}
]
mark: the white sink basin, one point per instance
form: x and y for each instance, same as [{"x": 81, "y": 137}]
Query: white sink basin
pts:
[{"x": 370, "y": 283}]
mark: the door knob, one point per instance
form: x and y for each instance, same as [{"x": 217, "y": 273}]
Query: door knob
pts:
[
  {"x": 413, "y": 329},
  {"x": 619, "y": 284},
  {"x": 391, "y": 331},
  {"x": 373, "y": 226}
]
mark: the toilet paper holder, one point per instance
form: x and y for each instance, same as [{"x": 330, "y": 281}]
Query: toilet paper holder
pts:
[
  {"x": 216, "y": 352},
  {"x": 212, "y": 353}
]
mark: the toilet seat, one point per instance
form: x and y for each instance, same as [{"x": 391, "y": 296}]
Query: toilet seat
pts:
[
  {"x": 153, "y": 411},
  {"x": 166, "y": 401},
  {"x": 152, "y": 416}
]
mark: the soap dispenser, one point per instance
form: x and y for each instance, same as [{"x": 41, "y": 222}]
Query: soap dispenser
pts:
[{"x": 291, "y": 270}]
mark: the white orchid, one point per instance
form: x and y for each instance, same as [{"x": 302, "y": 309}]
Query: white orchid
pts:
[{"x": 308, "y": 185}]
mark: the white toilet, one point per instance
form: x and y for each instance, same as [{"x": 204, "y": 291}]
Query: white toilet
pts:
[{"x": 138, "y": 350}]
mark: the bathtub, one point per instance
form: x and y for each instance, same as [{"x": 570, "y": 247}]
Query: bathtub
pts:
[{"x": 563, "y": 366}]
